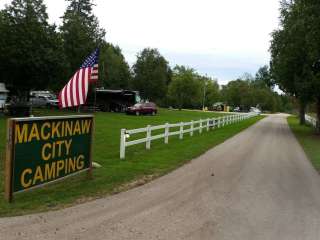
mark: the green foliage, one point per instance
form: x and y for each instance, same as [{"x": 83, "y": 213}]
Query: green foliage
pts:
[
  {"x": 80, "y": 32},
  {"x": 263, "y": 77},
  {"x": 31, "y": 55},
  {"x": 212, "y": 91},
  {"x": 255, "y": 92},
  {"x": 295, "y": 49},
  {"x": 185, "y": 89},
  {"x": 188, "y": 89},
  {"x": 236, "y": 93},
  {"x": 115, "y": 71},
  {"x": 308, "y": 140},
  {"x": 151, "y": 75}
]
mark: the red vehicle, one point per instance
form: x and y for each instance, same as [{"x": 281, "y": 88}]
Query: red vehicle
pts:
[{"x": 143, "y": 108}]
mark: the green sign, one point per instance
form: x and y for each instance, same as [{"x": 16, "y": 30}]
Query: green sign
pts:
[{"x": 47, "y": 149}]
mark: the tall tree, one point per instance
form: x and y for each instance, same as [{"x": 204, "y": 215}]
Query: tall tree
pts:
[
  {"x": 80, "y": 31},
  {"x": 212, "y": 92},
  {"x": 30, "y": 49},
  {"x": 185, "y": 90},
  {"x": 151, "y": 75},
  {"x": 290, "y": 63},
  {"x": 115, "y": 71},
  {"x": 237, "y": 93},
  {"x": 263, "y": 77},
  {"x": 311, "y": 20}
]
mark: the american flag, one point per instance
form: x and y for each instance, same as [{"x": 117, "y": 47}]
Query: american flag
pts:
[{"x": 76, "y": 91}]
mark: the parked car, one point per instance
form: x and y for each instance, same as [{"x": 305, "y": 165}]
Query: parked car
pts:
[
  {"x": 237, "y": 109},
  {"x": 16, "y": 108},
  {"x": 44, "y": 101},
  {"x": 143, "y": 108}
]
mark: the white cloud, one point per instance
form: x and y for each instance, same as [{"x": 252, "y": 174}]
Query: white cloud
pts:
[{"x": 224, "y": 38}]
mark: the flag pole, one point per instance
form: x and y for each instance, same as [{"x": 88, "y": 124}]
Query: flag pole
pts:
[
  {"x": 95, "y": 87},
  {"x": 95, "y": 96}
]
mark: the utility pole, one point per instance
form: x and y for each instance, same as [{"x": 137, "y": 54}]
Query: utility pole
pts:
[{"x": 204, "y": 92}]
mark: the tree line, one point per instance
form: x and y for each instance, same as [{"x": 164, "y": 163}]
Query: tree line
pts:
[
  {"x": 37, "y": 55},
  {"x": 295, "y": 53}
]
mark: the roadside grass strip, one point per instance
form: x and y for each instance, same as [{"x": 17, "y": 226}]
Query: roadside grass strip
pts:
[{"x": 308, "y": 139}]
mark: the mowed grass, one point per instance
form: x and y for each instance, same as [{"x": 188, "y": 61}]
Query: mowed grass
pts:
[
  {"x": 308, "y": 140},
  {"x": 117, "y": 175}
]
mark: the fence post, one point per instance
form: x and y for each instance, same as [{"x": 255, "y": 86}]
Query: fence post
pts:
[
  {"x": 191, "y": 128},
  {"x": 123, "y": 144},
  {"x": 181, "y": 130},
  {"x": 200, "y": 126},
  {"x": 148, "y": 142},
  {"x": 208, "y": 122},
  {"x": 166, "y": 134}
]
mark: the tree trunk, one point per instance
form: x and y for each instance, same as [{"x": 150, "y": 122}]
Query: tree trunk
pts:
[
  {"x": 302, "y": 113},
  {"x": 318, "y": 116}
]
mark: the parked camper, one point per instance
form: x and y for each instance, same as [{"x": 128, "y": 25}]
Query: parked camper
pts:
[
  {"x": 3, "y": 96},
  {"x": 108, "y": 100}
]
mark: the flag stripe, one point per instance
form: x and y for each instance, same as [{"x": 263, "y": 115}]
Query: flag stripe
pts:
[
  {"x": 71, "y": 91},
  {"x": 68, "y": 94},
  {"x": 77, "y": 87},
  {"x": 87, "y": 83},
  {"x": 75, "y": 92},
  {"x": 80, "y": 86},
  {"x": 84, "y": 79},
  {"x": 65, "y": 96}
]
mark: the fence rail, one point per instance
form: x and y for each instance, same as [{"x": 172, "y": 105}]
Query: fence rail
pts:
[
  {"x": 181, "y": 129},
  {"x": 311, "y": 120}
]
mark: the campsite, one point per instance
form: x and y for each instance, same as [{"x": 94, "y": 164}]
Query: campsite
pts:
[{"x": 144, "y": 120}]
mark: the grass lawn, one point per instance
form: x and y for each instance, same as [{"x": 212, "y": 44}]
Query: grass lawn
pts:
[
  {"x": 115, "y": 174},
  {"x": 308, "y": 140}
]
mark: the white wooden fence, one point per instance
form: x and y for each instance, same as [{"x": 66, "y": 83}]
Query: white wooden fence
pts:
[
  {"x": 311, "y": 120},
  {"x": 191, "y": 128}
]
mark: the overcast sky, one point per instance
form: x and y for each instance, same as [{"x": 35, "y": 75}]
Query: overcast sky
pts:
[{"x": 220, "y": 38}]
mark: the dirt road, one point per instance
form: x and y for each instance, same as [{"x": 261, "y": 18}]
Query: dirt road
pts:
[{"x": 257, "y": 185}]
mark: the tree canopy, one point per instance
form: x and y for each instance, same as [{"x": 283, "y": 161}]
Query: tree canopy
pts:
[
  {"x": 80, "y": 31},
  {"x": 151, "y": 75},
  {"x": 31, "y": 55},
  {"x": 295, "y": 50},
  {"x": 185, "y": 89},
  {"x": 115, "y": 71}
]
